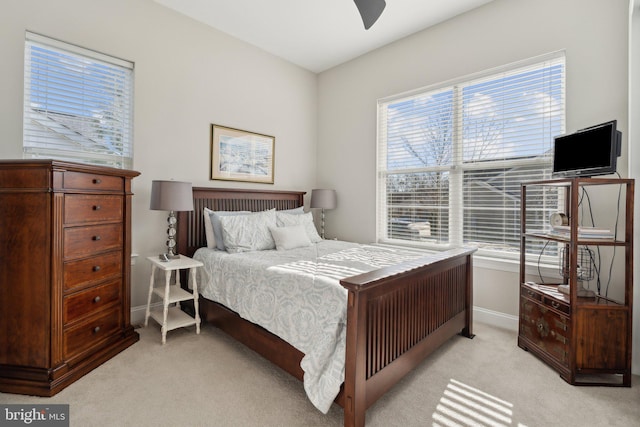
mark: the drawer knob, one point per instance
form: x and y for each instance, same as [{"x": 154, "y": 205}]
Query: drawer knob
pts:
[
  {"x": 96, "y": 329},
  {"x": 97, "y": 181},
  {"x": 96, "y": 238},
  {"x": 97, "y": 299},
  {"x": 96, "y": 268},
  {"x": 555, "y": 304},
  {"x": 96, "y": 207}
]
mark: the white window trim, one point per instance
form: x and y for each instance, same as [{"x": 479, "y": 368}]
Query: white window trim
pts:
[
  {"x": 44, "y": 141},
  {"x": 487, "y": 258}
]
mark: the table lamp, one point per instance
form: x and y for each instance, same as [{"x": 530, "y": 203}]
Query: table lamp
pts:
[
  {"x": 323, "y": 199},
  {"x": 172, "y": 196}
]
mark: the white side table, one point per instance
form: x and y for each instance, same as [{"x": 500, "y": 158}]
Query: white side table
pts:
[{"x": 173, "y": 317}]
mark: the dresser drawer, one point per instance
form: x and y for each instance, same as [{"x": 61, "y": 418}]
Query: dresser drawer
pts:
[
  {"x": 92, "y": 270},
  {"x": 92, "y": 182},
  {"x": 81, "y": 208},
  {"x": 85, "y": 335},
  {"x": 89, "y": 301},
  {"x": 85, "y": 241},
  {"x": 545, "y": 328}
]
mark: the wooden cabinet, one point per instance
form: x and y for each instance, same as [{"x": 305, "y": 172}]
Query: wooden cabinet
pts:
[
  {"x": 65, "y": 266},
  {"x": 587, "y": 339}
]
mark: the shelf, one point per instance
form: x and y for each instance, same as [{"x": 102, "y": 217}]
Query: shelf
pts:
[
  {"x": 564, "y": 182},
  {"x": 580, "y": 242},
  {"x": 176, "y": 294},
  {"x": 551, "y": 290},
  {"x": 176, "y": 318}
]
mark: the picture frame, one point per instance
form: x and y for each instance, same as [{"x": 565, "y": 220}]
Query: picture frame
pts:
[{"x": 239, "y": 155}]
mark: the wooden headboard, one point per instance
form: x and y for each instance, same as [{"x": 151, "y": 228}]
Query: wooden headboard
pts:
[{"x": 191, "y": 226}]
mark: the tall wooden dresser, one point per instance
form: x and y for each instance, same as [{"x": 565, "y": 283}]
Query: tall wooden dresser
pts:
[{"x": 65, "y": 267}]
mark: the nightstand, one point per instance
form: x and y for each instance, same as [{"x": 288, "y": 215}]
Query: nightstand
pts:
[{"x": 173, "y": 317}]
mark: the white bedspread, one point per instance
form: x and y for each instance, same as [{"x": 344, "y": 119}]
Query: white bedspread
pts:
[{"x": 296, "y": 295}]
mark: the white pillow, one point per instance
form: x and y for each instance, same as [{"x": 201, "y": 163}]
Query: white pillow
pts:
[
  {"x": 305, "y": 219},
  {"x": 299, "y": 210},
  {"x": 244, "y": 233},
  {"x": 208, "y": 228},
  {"x": 291, "y": 237},
  {"x": 217, "y": 227}
]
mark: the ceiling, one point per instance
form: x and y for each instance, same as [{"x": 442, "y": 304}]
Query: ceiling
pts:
[{"x": 318, "y": 34}]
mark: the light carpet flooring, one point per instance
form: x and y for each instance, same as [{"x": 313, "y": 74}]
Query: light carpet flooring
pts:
[{"x": 210, "y": 380}]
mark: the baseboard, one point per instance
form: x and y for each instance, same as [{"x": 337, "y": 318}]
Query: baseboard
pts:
[
  {"x": 495, "y": 318},
  {"x": 138, "y": 313}
]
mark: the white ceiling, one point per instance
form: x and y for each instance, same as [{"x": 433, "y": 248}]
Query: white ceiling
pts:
[{"x": 318, "y": 34}]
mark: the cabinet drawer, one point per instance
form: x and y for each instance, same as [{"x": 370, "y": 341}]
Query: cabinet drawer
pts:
[
  {"x": 81, "y": 208},
  {"x": 85, "y": 241},
  {"x": 546, "y": 329},
  {"x": 530, "y": 293},
  {"x": 90, "y": 301},
  {"x": 92, "y": 270},
  {"x": 558, "y": 305},
  {"x": 87, "y": 334},
  {"x": 91, "y": 182}
]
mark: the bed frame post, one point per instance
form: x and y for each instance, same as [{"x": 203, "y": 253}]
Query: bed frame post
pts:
[
  {"x": 355, "y": 402},
  {"x": 468, "y": 329}
]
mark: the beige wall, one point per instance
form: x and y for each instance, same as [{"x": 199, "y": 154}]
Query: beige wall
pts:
[
  {"x": 186, "y": 77},
  {"x": 593, "y": 34}
]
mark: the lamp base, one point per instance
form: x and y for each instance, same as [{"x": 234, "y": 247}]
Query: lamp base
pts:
[{"x": 171, "y": 236}]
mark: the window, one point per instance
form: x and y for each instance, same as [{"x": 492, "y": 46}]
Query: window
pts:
[
  {"x": 77, "y": 104},
  {"x": 451, "y": 158}
]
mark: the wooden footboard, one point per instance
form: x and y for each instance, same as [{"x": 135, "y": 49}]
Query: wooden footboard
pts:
[{"x": 396, "y": 316}]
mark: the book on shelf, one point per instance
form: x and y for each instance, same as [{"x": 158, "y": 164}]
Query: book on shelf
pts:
[{"x": 584, "y": 233}]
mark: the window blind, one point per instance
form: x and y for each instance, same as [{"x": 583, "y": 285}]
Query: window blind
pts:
[
  {"x": 451, "y": 158},
  {"x": 78, "y": 104}
]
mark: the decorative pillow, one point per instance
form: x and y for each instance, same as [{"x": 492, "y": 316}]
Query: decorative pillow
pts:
[
  {"x": 294, "y": 236},
  {"x": 217, "y": 227},
  {"x": 299, "y": 210},
  {"x": 208, "y": 228},
  {"x": 244, "y": 233},
  {"x": 305, "y": 219}
]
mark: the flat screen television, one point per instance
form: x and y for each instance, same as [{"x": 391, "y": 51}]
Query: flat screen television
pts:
[{"x": 587, "y": 152}]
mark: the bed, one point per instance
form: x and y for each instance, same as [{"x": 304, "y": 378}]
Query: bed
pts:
[{"x": 395, "y": 316}]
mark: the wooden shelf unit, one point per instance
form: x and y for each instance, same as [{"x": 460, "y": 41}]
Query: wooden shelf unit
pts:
[{"x": 586, "y": 339}]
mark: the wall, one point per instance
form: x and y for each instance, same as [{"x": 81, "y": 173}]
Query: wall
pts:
[
  {"x": 634, "y": 154},
  {"x": 593, "y": 34},
  {"x": 187, "y": 76}
]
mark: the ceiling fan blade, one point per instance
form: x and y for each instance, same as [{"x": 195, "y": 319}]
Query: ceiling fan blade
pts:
[{"x": 370, "y": 11}]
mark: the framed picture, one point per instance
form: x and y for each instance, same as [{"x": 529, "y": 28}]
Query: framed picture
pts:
[{"x": 238, "y": 155}]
